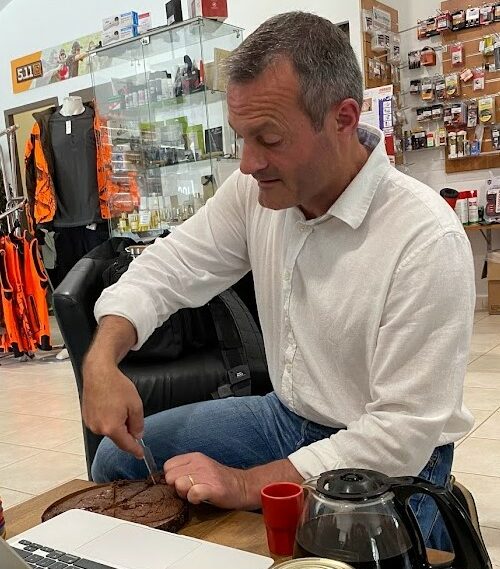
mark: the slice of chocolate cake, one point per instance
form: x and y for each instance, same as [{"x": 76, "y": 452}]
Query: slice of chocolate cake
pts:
[{"x": 139, "y": 501}]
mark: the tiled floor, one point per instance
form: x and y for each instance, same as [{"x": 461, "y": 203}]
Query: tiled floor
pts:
[{"x": 41, "y": 443}]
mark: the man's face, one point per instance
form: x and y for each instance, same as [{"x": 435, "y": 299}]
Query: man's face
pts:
[{"x": 291, "y": 161}]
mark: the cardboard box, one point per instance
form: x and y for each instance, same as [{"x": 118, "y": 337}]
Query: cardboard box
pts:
[
  {"x": 129, "y": 19},
  {"x": 494, "y": 297},
  {"x": 145, "y": 23},
  {"x": 128, "y": 32},
  {"x": 111, "y": 22},
  {"x": 110, "y": 35},
  {"x": 493, "y": 287},
  {"x": 215, "y": 9},
  {"x": 116, "y": 34},
  {"x": 120, "y": 21}
]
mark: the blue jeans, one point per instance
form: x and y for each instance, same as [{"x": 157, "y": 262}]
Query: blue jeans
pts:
[{"x": 243, "y": 432}]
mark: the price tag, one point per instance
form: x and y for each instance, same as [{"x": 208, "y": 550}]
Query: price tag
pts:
[
  {"x": 68, "y": 127},
  {"x": 145, "y": 218}
]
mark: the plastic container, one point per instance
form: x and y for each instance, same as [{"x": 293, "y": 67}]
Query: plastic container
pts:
[
  {"x": 473, "y": 207},
  {"x": 462, "y": 207}
]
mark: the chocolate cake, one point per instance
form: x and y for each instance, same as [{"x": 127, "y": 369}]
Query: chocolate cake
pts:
[{"x": 139, "y": 501}]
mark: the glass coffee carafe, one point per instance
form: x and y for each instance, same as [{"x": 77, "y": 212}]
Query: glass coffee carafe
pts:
[{"x": 363, "y": 518}]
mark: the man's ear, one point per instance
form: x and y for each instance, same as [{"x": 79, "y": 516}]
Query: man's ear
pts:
[{"x": 347, "y": 115}]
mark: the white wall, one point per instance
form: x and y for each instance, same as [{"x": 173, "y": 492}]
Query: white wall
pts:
[{"x": 52, "y": 22}]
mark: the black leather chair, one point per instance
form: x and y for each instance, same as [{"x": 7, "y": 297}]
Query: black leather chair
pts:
[{"x": 161, "y": 384}]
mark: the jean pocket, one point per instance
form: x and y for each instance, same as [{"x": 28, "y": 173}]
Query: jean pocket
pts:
[{"x": 438, "y": 468}]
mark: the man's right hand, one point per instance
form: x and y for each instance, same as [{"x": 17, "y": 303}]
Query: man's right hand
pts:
[{"x": 112, "y": 406}]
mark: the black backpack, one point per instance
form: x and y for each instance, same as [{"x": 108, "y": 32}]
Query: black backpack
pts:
[{"x": 225, "y": 324}]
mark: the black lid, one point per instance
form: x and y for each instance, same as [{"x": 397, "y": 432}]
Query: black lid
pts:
[
  {"x": 353, "y": 484},
  {"x": 448, "y": 193}
]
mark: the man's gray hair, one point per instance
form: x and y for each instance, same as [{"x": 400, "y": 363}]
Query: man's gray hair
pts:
[{"x": 326, "y": 65}]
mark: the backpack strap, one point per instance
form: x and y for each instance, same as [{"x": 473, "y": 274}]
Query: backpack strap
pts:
[{"x": 232, "y": 350}]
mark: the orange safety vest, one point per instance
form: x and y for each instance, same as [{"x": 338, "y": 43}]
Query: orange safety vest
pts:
[
  {"x": 40, "y": 170},
  {"x": 10, "y": 339},
  {"x": 36, "y": 284},
  {"x": 16, "y": 315}
]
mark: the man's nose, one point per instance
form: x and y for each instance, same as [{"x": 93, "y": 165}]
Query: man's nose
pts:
[{"x": 252, "y": 160}]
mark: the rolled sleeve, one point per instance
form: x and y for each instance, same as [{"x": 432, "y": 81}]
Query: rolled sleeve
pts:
[{"x": 131, "y": 303}]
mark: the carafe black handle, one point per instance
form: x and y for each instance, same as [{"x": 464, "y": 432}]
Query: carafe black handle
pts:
[{"x": 470, "y": 551}]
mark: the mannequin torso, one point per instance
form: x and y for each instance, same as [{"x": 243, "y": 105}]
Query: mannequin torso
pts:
[{"x": 72, "y": 106}]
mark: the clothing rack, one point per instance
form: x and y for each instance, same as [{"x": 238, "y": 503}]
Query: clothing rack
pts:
[{"x": 12, "y": 213}]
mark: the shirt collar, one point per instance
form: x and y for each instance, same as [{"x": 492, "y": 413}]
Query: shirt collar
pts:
[{"x": 354, "y": 202}]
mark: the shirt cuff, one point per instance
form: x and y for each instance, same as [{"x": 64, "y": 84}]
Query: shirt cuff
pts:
[
  {"x": 315, "y": 459},
  {"x": 131, "y": 303}
]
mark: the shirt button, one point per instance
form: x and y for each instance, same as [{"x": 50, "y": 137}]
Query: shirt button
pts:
[{"x": 288, "y": 368}]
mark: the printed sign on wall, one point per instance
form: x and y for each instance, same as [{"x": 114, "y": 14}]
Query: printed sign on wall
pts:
[{"x": 54, "y": 64}]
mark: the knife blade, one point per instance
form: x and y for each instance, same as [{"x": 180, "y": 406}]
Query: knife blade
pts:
[{"x": 149, "y": 460}]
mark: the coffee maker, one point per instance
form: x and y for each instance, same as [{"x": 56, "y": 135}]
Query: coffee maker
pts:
[{"x": 363, "y": 518}]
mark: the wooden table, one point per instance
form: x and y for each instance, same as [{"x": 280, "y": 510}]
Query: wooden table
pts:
[
  {"x": 485, "y": 230},
  {"x": 243, "y": 530}
]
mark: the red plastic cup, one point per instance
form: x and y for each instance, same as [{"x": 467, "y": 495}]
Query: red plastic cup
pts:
[{"x": 282, "y": 504}]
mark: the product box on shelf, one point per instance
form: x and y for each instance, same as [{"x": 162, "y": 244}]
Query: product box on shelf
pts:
[
  {"x": 120, "y": 20},
  {"x": 145, "y": 22},
  {"x": 128, "y": 32},
  {"x": 110, "y": 35},
  {"x": 116, "y": 34},
  {"x": 214, "y": 9}
]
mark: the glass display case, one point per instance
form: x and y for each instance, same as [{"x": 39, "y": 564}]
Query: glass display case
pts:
[{"x": 162, "y": 123}]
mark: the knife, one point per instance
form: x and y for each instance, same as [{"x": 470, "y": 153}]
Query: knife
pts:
[{"x": 149, "y": 460}]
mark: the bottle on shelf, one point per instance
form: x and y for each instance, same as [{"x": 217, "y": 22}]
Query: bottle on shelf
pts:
[
  {"x": 473, "y": 207},
  {"x": 133, "y": 219},
  {"x": 198, "y": 202},
  {"x": 123, "y": 223}
]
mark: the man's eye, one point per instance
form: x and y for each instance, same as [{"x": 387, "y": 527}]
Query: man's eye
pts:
[{"x": 271, "y": 141}]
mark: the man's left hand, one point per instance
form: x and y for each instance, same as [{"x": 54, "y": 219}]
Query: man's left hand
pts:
[{"x": 198, "y": 478}]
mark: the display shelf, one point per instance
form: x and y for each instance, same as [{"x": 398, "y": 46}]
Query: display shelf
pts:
[
  {"x": 182, "y": 167},
  {"x": 426, "y": 148},
  {"x": 149, "y": 149},
  {"x": 480, "y": 155},
  {"x": 168, "y": 105},
  {"x": 165, "y": 39}
]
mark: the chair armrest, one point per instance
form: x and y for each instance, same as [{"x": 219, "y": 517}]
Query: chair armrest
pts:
[{"x": 74, "y": 301}]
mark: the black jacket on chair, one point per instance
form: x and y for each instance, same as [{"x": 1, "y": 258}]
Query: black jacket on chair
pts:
[{"x": 162, "y": 384}]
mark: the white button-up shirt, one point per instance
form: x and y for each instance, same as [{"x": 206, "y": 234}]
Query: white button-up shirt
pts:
[{"x": 366, "y": 311}]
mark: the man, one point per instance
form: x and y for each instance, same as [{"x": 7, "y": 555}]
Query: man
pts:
[
  {"x": 364, "y": 285},
  {"x": 74, "y": 58}
]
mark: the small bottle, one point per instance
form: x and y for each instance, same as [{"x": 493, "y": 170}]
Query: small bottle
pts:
[
  {"x": 473, "y": 207},
  {"x": 462, "y": 207},
  {"x": 198, "y": 202},
  {"x": 133, "y": 219},
  {"x": 123, "y": 223}
]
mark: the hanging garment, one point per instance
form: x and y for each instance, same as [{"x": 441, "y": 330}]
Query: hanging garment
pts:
[
  {"x": 14, "y": 274},
  {"x": 40, "y": 168},
  {"x": 23, "y": 296},
  {"x": 10, "y": 338},
  {"x": 36, "y": 285}
]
